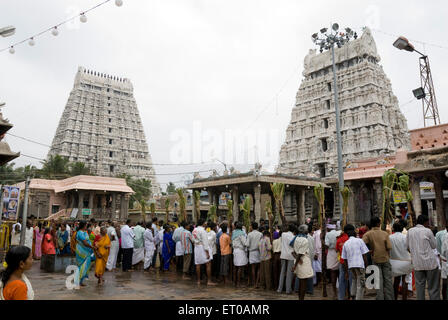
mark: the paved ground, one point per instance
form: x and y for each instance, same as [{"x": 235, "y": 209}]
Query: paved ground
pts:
[{"x": 139, "y": 286}]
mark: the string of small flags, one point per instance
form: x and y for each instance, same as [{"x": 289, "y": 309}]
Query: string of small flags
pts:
[{"x": 54, "y": 29}]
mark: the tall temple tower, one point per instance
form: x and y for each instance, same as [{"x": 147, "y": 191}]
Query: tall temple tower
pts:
[
  {"x": 101, "y": 127},
  {"x": 371, "y": 121}
]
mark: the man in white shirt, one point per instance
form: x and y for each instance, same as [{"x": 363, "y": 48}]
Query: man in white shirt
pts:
[
  {"x": 440, "y": 236},
  {"x": 421, "y": 243},
  {"x": 252, "y": 243},
  {"x": 127, "y": 245},
  {"x": 15, "y": 232},
  {"x": 354, "y": 253},
  {"x": 332, "y": 256},
  {"x": 114, "y": 247},
  {"x": 179, "y": 248},
  {"x": 287, "y": 260},
  {"x": 202, "y": 252},
  {"x": 400, "y": 260},
  {"x": 302, "y": 266}
]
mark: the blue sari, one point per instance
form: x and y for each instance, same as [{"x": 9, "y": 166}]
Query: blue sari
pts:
[
  {"x": 84, "y": 255},
  {"x": 165, "y": 254}
]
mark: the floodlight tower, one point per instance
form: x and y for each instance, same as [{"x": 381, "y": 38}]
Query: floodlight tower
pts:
[{"x": 426, "y": 91}]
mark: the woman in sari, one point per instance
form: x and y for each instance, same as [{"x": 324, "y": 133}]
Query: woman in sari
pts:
[
  {"x": 63, "y": 245},
  {"x": 102, "y": 249},
  {"x": 168, "y": 248},
  {"x": 84, "y": 252},
  {"x": 38, "y": 234}
]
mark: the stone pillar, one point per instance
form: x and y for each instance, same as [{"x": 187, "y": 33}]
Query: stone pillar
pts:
[
  {"x": 73, "y": 201},
  {"x": 300, "y": 206},
  {"x": 236, "y": 203},
  {"x": 80, "y": 202},
  {"x": 417, "y": 201},
  {"x": 377, "y": 198},
  {"x": 257, "y": 202},
  {"x": 440, "y": 204},
  {"x": 91, "y": 195},
  {"x": 114, "y": 205},
  {"x": 210, "y": 196},
  {"x": 122, "y": 207},
  {"x": 351, "y": 217},
  {"x": 125, "y": 206},
  {"x": 194, "y": 206}
]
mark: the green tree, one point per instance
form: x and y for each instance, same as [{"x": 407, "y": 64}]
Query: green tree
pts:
[
  {"x": 78, "y": 168},
  {"x": 170, "y": 188},
  {"x": 230, "y": 212},
  {"x": 245, "y": 209},
  {"x": 55, "y": 167}
]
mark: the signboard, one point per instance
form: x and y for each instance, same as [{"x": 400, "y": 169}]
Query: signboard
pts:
[
  {"x": 11, "y": 196},
  {"x": 86, "y": 212},
  {"x": 399, "y": 197}
]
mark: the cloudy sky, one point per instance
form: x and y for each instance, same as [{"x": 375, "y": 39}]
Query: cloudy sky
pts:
[{"x": 202, "y": 70}]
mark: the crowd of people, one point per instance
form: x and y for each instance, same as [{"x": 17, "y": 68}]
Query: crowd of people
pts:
[{"x": 285, "y": 258}]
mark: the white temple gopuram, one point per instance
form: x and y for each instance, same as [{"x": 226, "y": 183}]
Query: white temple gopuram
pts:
[{"x": 101, "y": 127}]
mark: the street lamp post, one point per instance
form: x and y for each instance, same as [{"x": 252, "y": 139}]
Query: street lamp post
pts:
[
  {"x": 326, "y": 41},
  {"x": 426, "y": 92}
]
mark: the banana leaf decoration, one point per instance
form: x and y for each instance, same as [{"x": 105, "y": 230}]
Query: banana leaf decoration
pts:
[
  {"x": 345, "y": 192},
  {"x": 212, "y": 213},
  {"x": 230, "y": 212}
]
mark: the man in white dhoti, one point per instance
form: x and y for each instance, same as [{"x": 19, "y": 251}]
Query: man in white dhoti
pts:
[
  {"x": 400, "y": 260},
  {"x": 252, "y": 243},
  {"x": 114, "y": 247},
  {"x": 139, "y": 249},
  {"x": 179, "y": 249},
  {"x": 317, "y": 260},
  {"x": 332, "y": 255},
  {"x": 202, "y": 252},
  {"x": 149, "y": 248}
]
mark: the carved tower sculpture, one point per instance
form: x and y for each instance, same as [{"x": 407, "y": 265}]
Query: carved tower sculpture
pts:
[
  {"x": 371, "y": 121},
  {"x": 101, "y": 127}
]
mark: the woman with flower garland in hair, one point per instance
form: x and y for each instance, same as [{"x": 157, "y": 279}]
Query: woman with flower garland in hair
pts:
[{"x": 14, "y": 284}]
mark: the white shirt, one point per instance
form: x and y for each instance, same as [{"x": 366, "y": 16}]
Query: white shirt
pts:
[
  {"x": 149, "y": 240},
  {"x": 67, "y": 227},
  {"x": 331, "y": 238},
  {"x": 421, "y": 243},
  {"x": 287, "y": 250},
  {"x": 111, "y": 232},
  {"x": 29, "y": 238},
  {"x": 399, "y": 249},
  {"x": 317, "y": 244},
  {"x": 127, "y": 237},
  {"x": 200, "y": 237},
  {"x": 352, "y": 251},
  {"x": 211, "y": 236}
]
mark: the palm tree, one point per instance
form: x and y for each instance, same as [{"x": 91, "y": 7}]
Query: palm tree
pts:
[
  {"x": 167, "y": 208},
  {"x": 245, "y": 208},
  {"x": 197, "y": 204},
  {"x": 278, "y": 190},
  {"x": 55, "y": 167},
  {"x": 319, "y": 193},
  {"x": 78, "y": 168},
  {"x": 182, "y": 204}
]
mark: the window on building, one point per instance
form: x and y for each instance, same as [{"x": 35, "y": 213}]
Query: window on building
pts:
[
  {"x": 325, "y": 123},
  {"x": 108, "y": 89},
  {"x": 110, "y": 119},
  {"x": 108, "y": 98},
  {"x": 329, "y": 86},
  {"x": 328, "y": 104},
  {"x": 109, "y": 111},
  {"x": 111, "y": 168},
  {"x": 111, "y": 154},
  {"x": 110, "y": 130},
  {"x": 324, "y": 144},
  {"x": 108, "y": 104},
  {"x": 110, "y": 141},
  {"x": 322, "y": 170}
]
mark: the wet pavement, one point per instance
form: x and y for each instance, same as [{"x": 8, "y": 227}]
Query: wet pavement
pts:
[{"x": 139, "y": 285}]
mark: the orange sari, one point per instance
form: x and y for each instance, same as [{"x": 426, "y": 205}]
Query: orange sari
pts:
[{"x": 100, "y": 263}]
